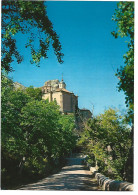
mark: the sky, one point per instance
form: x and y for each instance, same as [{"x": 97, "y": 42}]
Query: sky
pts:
[{"x": 91, "y": 54}]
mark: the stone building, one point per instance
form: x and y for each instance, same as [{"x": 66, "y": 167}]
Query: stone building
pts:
[
  {"x": 82, "y": 116},
  {"x": 55, "y": 90},
  {"x": 85, "y": 114}
]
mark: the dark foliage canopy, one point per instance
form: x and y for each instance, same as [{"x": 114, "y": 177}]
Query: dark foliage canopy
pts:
[
  {"x": 27, "y": 17},
  {"x": 124, "y": 17}
]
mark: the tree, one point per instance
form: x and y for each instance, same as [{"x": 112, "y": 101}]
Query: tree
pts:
[
  {"x": 35, "y": 136},
  {"x": 124, "y": 17},
  {"x": 35, "y": 93},
  {"x": 104, "y": 139},
  {"x": 40, "y": 127},
  {"x": 68, "y": 138},
  {"x": 13, "y": 144},
  {"x": 27, "y": 17}
]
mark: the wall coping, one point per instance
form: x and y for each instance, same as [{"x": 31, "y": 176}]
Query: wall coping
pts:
[{"x": 108, "y": 184}]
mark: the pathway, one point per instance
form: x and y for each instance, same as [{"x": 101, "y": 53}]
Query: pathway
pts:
[{"x": 74, "y": 176}]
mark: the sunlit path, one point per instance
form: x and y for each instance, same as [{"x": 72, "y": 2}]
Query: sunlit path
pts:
[{"x": 74, "y": 176}]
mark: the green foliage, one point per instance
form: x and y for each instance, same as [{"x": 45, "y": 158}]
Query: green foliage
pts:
[
  {"x": 27, "y": 17},
  {"x": 35, "y": 93},
  {"x": 68, "y": 140},
  {"x": 35, "y": 135},
  {"x": 124, "y": 17},
  {"x": 105, "y": 139},
  {"x": 12, "y": 143},
  {"x": 39, "y": 121}
]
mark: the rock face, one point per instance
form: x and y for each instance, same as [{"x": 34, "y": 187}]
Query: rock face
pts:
[
  {"x": 18, "y": 86},
  {"x": 53, "y": 83}
]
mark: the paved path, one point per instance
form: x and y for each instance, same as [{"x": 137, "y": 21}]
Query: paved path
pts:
[{"x": 74, "y": 176}]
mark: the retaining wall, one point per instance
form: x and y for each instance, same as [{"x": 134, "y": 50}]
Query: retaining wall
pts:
[{"x": 108, "y": 184}]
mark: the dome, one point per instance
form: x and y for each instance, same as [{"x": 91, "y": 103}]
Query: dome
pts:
[{"x": 62, "y": 84}]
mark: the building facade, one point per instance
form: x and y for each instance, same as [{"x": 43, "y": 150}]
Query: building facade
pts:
[{"x": 53, "y": 90}]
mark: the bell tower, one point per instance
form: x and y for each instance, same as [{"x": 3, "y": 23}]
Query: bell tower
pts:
[{"x": 62, "y": 84}]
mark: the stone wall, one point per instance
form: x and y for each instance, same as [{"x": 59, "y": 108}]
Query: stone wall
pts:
[{"x": 108, "y": 184}]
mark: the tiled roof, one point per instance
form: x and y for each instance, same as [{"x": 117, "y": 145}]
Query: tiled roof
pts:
[{"x": 62, "y": 89}]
